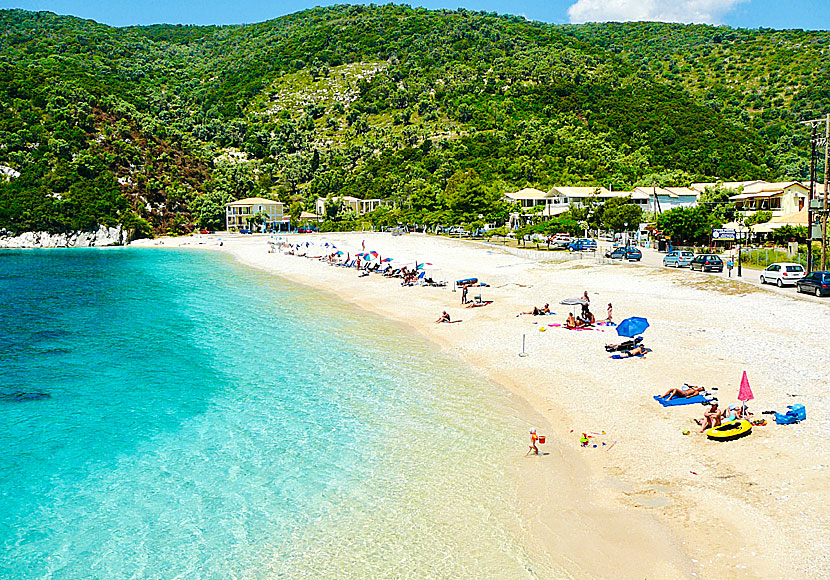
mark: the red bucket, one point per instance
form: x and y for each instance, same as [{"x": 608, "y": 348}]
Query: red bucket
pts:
[{"x": 541, "y": 438}]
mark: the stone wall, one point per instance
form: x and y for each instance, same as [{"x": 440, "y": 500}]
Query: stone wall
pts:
[{"x": 102, "y": 236}]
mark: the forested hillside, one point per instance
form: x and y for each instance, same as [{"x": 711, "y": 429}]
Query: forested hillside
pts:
[{"x": 156, "y": 127}]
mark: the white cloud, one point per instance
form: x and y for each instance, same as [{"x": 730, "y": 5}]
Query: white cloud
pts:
[{"x": 697, "y": 11}]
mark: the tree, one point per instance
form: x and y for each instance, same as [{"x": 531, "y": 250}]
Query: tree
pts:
[
  {"x": 685, "y": 224},
  {"x": 208, "y": 209},
  {"x": 619, "y": 214},
  {"x": 332, "y": 206},
  {"x": 759, "y": 217}
]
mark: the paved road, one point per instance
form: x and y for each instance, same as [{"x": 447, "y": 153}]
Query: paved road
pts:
[{"x": 750, "y": 276}]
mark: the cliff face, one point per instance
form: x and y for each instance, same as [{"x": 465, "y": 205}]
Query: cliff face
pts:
[{"x": 102, "y": 236}]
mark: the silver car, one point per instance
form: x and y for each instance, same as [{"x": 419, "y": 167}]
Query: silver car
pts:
[
  {"x": 781, "y": 273},
  {"x": 678, "y": 258}
]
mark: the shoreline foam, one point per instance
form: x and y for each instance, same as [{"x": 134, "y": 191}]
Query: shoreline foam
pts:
[{"x": 623, "y": 511}]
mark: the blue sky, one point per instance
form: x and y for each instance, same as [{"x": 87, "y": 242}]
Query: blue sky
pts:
[{"x": 807, "y": 14}]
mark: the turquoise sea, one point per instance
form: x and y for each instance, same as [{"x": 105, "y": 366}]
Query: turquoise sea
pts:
[{"x": 173, "y": 414}]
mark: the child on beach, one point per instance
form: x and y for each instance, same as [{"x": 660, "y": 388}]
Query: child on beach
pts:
[
  {"x": 533, "y": 439},
  {"x": 610, "y": 310}
]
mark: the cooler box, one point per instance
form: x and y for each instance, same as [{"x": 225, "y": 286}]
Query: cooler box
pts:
[{"x": 799, "y": 411}]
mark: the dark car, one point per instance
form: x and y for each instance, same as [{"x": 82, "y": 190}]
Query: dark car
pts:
[
  {"x": 706, "y": 263},
  {"x": 582, "y": 245},
  {"x": 632, "y": 254},
  {"x": 817, "y": 283}
]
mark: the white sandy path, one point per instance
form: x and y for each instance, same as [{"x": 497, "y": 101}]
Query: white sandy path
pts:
[{"x": 658, "y": 504}]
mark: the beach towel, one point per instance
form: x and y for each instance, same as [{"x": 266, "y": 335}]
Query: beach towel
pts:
[
  {"x": 674, "y": 402},
  {"x": 619, "y": 356}
]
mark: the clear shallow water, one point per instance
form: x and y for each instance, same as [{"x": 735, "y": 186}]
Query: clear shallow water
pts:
[{"x": 205, "y": 420}]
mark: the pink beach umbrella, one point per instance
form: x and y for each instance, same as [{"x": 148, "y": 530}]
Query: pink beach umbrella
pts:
[{"x": 745, "y": 393}]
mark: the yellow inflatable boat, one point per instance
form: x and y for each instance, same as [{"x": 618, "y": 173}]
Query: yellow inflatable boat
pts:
[{"x": 730, "y": 430}]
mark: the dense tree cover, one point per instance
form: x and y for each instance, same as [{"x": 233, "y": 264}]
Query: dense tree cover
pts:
[
  {"x": 765, "y": 80},
  {"x": 441, "y": 111}
]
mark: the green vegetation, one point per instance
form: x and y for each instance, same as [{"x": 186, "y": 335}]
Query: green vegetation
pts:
[{"x": 441, "y": 111}]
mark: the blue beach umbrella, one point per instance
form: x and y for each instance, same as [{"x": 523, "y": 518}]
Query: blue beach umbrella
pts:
[{"x": 633, "y": 326}]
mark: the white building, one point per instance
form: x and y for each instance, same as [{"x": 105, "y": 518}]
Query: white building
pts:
[
  {"x": 663, "y": 199},
  {"x": 781, "y": 198},
  {"x": 351, "y": 204}
]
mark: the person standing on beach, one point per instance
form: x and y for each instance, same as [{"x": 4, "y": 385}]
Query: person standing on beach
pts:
[
  {"x": 533, "y": 439},
  {"x": 363, "y": 245},
  {"x": 586, "y": 299},
  {"x": 610, "y": 311},
  {"x": 464, "y": 294}
]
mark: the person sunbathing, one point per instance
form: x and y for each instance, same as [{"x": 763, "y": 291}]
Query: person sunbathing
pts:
[
  {"x": 570, "y": 322},
  {"x": 711, "y": 418},
  {"x": 685, "y": 392},
  {"x": 539, "y": 311},
  {"x": 638, "y": 350},
  {"x": 626, "y": 345},
  {"x": 443, "y": 318}
]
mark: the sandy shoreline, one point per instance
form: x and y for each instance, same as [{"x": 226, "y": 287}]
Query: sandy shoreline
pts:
[{"x": 656, "y": 504}]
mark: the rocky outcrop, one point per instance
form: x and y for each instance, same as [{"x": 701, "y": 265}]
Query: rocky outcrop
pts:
[{"x": 101, "y": 236}]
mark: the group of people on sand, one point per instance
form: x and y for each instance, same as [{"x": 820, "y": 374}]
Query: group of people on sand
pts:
[{"x": 715, "y": 416}]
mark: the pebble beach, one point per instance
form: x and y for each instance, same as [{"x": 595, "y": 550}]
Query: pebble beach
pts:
[{"x": 649, "y": 500}]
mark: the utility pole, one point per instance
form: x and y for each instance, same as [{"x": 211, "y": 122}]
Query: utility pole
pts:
[
  {"x": 824, "y": 206},
  {"x": 814, "y": 123}
]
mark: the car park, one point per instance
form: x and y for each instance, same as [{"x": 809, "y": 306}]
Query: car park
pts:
[
  {"x": 631, "y": 254},
  {"x": 817, "y": 283},
  {"x": 582, "y": 245},
  {"x": 706, "y": 263},
  {"x": 781, "y": 273},
  {"x": 678, "y": 258}
]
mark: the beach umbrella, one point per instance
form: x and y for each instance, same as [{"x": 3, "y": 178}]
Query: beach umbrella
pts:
[
  {"x": 745, "y": 392},
  {"x": 421, "y": 266},
  {"x": 631, "y": 327},
  {"x": 574, "y": 301},
  {"x": 387, "y": 260}
]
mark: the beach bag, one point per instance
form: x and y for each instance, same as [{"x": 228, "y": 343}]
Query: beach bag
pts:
[{"x": 785, "y": 419}]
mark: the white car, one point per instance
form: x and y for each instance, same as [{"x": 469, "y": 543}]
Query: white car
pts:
[
  {"x": 781, "y": 273},
  {"x": 560, "y": 240}
]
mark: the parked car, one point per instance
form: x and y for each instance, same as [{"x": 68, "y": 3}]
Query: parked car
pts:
[
  {"x": 782, "y": 273},
  {"x": 205, "y": 231},
  {"x": 633, "y": 254},
  {"x": 817, "y": 283},
  {"x": 560, "y": 240},
  {"x": 678, "y": 258},
  {"x": 630, "y": 253},
  {"x": 245, "y": 231},
  {"x": 706, "y": 263},
  {"x": 582, "y": 245}
]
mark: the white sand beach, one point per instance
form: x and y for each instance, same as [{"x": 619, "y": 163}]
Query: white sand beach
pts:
[{"x": 652, "y": 502}]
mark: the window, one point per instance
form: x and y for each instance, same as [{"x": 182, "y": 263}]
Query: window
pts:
[
  {"x": 795, "y": 269},
  {"x": 775, "y": 203}
]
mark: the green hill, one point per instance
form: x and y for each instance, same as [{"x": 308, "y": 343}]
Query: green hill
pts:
[{"x": 156, "y": 127}]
